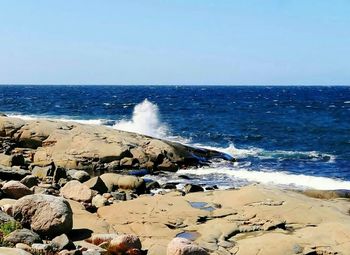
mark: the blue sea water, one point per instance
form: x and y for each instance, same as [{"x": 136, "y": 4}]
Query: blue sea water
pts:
[{"x": 288, "y": 135}]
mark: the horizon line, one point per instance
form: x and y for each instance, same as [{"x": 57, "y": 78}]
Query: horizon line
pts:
[{"x": 194, "y": 85}]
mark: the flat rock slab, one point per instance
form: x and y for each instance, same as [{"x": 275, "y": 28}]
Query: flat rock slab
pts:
[{"x": 251, "y": 220}]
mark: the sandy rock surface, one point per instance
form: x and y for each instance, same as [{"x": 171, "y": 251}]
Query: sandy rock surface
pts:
[
  {"x": 252, "y": 220},
  {"x": 90, "y": 147}
]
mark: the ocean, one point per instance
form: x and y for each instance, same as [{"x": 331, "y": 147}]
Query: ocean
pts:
[{"x": 292, "y": 136}]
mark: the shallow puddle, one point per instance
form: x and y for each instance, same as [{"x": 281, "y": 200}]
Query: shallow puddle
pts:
[
  {"x": 190, "y": 235},
  {"x": 202, "y": 206}
]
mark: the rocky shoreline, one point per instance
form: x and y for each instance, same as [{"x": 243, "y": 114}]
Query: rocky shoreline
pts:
[{"x": 69, "y": 188}]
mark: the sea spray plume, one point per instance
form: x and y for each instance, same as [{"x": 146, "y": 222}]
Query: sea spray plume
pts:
[{"x": 145, "y": 120}]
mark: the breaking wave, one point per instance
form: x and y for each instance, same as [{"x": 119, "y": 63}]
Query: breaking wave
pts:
[
  {"x": 145, "y": 120},
  {"x": 274, "y": 178}
]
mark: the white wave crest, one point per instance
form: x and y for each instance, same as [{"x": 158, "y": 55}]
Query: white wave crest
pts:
[
  {"x": 235, "y": 152},
  {"x": 145, "y": 120},
  {"x": 36, "y": 117},
  {"x": 275, "y": 178}
]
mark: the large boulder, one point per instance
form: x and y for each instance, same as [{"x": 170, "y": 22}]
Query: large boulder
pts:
[
  {"x": 46, "y": 215},
  {"x": 15, "y": 189},
  {"x": 76, "y": 191},
  {"x": 183, "y": 246}
]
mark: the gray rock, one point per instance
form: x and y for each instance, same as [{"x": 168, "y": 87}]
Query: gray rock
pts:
[
  {"x": 5, "y": 218},
  {"x": 30, "y": 181},
  {"x": 62, "y": 242},
  {"x": 23, "y": 236},
  {"x": 44, "y": 214},
  {"x": 119, "y": 195}
]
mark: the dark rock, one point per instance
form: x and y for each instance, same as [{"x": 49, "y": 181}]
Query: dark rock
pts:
[
  {"x": 152, "y": 185},
  {"x": 119, "y": 195},
  {"x": 17, "y": 160},
  {"x": 169, "y": 185},
  {"x": 12, "y": 173},
  {"x": 62, "y": 242},
  {"x": 214, "y": 187},
  {"x": 59, "y": 173},
  {"x": 190, "y": 188},
  {"x": 185, "y": 177},
  {"x": 97, "y": 184},
  {"x": 30, "y": 181},
  {"x": 23, "y": 236}
]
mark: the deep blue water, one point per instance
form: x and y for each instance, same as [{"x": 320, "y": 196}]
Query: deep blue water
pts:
[{"x": 300, "y": 130}]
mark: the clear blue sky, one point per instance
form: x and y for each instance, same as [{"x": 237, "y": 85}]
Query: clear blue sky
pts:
[{"x": 175, "y": 42}]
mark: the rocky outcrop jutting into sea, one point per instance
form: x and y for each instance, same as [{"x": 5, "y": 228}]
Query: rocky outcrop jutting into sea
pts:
[{"x": 90, "y": 147}]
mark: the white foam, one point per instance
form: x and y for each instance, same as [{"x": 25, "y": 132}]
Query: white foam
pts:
[
  {"x": 145, "y": 120},
  {"x": 35, "y": 117},
  {"x": 275, "y": 178},
  {"x": 235, "y": 152}
]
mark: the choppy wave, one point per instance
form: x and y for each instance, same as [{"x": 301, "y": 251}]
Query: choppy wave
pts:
[{"x": 274, "y": 178}]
